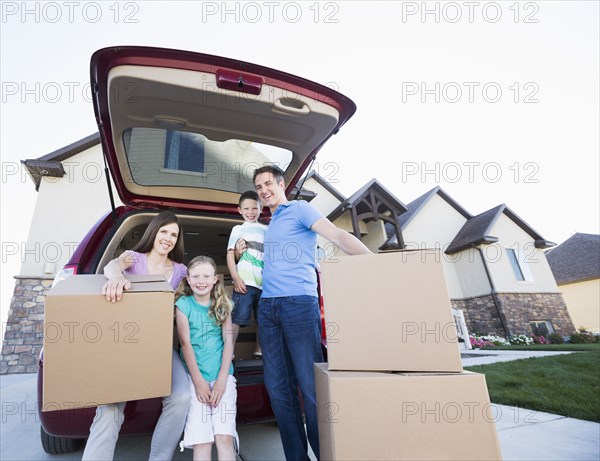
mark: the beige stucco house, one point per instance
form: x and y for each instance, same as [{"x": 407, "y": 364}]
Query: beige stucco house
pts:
[
  {"x": 496, "y": 271},
  {"x": 575, "y": 264}
]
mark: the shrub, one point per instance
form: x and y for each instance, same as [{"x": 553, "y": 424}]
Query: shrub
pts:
[
  {"x": 583, "y": 337},
  {"x": 555, "y": 338}
]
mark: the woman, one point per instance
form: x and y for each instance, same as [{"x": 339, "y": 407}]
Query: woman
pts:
[{"x": 160, "y": 251}]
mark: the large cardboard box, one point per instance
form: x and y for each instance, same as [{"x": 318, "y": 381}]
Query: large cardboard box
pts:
[
  {"x": 98, "y": 352},
  {"x": 389, "y": 311},
  {"x": 405, "y": 416}
]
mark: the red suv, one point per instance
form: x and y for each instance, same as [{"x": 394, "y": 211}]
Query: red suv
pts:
[{"x": 184, "y": 131}]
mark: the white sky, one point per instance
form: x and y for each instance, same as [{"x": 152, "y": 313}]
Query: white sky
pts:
[{"x": 516, "y": 118}]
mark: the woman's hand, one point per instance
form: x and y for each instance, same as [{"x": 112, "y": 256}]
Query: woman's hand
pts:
[
  {"x": 114, "y": 286},
  {"x": 203, "y": 393},
  {"x": 218, "y": 391}
]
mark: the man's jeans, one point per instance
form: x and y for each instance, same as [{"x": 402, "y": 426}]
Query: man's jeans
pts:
[{"x": 290, "y": 340}]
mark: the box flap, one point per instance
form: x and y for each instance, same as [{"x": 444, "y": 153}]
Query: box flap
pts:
[
  {"x": 145, "y": 283},
  {"x": 143, "y": 278},
  {"x": 90, "y": 284}
]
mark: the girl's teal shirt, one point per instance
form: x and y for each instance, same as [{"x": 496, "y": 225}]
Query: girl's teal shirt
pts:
[{"x": 206, "y": 338}]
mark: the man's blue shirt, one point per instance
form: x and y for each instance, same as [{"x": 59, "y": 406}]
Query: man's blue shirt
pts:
[{"x": 290, "y": 251}]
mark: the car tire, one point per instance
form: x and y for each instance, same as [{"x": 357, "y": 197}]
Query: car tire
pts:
[{"x": 58, "y": 445}]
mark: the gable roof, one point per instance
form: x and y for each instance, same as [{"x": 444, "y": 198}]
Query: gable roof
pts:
[
  {"x": 326, "y": 185},
  {"x": 477, "y": 230},
  {"x": 50, "y": 164},
  {"x": 417, "y": 205},
  {"x": 576, "y": 259},
  {"x": 373, "y": 186}
]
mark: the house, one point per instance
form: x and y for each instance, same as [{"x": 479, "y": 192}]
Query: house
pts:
[
  {"x": 72, "y": 195},
  {"x": 575, "y": 264},
  {"x": 506, "y": 282},
  {"x": 496, "y": 271}
]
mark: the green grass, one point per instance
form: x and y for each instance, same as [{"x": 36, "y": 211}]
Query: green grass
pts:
[
  {"x": 567, "y": 385},
  {"x": 548, "y": 347}
]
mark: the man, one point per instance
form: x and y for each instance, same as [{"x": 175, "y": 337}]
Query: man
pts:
[{"x": 289, "y": 315}]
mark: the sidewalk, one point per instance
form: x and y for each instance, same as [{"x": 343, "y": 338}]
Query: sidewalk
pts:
[{"x": 484, "y": 357}]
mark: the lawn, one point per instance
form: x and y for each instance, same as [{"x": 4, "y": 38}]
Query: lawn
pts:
[{"x": 567, "y": 385}]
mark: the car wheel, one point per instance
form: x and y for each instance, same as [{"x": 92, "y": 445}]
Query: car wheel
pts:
[{"x": 59, "y": 445}]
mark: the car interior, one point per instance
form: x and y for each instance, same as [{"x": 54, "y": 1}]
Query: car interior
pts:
[{"x": 203, "y": 235}]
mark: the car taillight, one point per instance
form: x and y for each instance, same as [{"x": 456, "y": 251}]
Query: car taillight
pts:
[{"x": 65, "y": 273}]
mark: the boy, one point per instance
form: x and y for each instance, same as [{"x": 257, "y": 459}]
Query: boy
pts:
[{"x": 247, "y": 274}]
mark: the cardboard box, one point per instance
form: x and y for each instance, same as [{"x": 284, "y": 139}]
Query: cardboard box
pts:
[
  {"x": 99, "y": 352},
  {"x": 389, "y": 312},
  {"x": 410, "y": 416}
]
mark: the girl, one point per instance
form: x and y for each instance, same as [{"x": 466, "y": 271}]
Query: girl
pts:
[
  {"x": 206, "y": 336},
  {"x": 160, "y": 251}
]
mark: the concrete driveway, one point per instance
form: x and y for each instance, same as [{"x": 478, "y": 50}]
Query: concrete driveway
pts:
[
  {"x": 20, "y": 431},
  {"x": 524, "y": 434}
]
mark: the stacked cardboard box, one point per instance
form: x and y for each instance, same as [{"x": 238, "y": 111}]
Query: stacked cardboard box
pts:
[
  {"x": 98, "y": 352},
  {"x": 394, "y": 387}
]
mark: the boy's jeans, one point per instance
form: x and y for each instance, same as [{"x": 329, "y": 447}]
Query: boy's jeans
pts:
[
  {"x": 104, "y": 431},
  {"x": 290, "y": 340}
]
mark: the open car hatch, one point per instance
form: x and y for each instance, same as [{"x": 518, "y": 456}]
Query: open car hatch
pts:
[{"x": 186, "y": 130}]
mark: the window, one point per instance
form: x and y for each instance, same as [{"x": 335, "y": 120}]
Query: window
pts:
[
  {"x": 161, "y": 157},
  {"x": 541, "y": 327},
  {"x": 514, "y": 262},
  {"x": 184, "y": 151}
]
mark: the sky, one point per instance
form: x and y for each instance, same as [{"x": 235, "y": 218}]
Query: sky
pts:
[{"x": 496, "y": 102}]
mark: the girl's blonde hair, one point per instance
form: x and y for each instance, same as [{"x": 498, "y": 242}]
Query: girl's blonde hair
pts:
[{"x": 220, "y": 304}]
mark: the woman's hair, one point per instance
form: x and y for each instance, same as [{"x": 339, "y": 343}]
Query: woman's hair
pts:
[
  {"x": 146, "y": 243},
  {"x": 220, "y": 304}
]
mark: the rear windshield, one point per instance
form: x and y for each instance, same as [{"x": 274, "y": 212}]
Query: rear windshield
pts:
[{"x": 164, "y": 157}]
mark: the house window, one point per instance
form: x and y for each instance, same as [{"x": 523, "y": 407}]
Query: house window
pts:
[
  {"x": 541, "y": 327},
  {"x": 184, "y": 151},
  {"x": 514, "y": 262}
]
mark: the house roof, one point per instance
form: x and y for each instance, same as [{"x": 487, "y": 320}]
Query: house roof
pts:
[
  {"x": 326, "y": 185},
  {"x": 387, "y": 199},
  {"x": 417, "y": 205},
  {"x": 50, "y": 164},
  {"x": 576, "y": 259},
  {"x": 477, "y": 230},
  {"x": 413, "y": 209}
]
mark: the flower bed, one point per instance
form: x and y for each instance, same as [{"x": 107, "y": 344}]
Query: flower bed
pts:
[{"x": 580, "y": 337}]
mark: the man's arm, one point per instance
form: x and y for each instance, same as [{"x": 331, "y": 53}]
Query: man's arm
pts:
[{"x": 347, "y": 242}]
